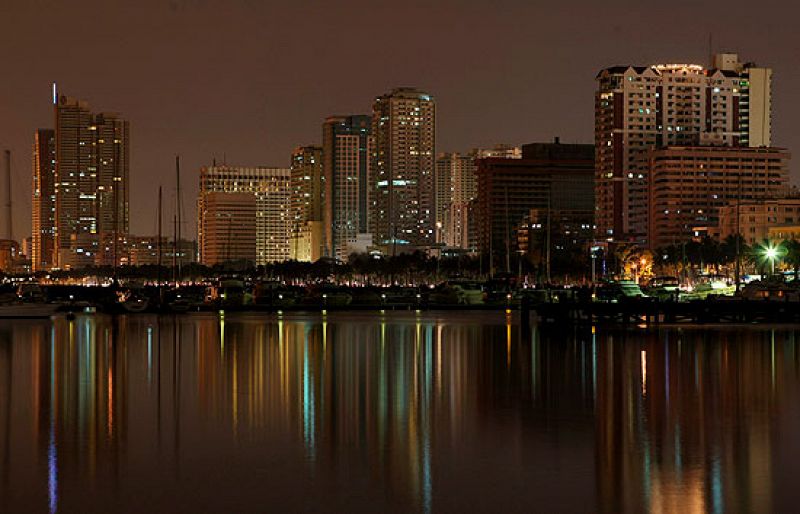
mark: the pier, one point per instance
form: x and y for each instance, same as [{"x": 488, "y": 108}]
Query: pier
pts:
[{"x": 648, "y": 311}]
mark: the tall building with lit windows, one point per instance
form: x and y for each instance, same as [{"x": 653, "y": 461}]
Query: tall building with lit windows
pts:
[
  {"x": 346, "y": 151},
  {"x": 404, "y": 125},
  {"x": 91, "y": 184},
  {"x": 306, "y": 203},
  {"x": 456, "y": 186},
  {"x": 638, "y": 108},
  {"x": 272, "y": 218},
  {"x": 43, "y": 201}
]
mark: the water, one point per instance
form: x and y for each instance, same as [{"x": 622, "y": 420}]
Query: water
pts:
[{"x": 447, "y": 412}]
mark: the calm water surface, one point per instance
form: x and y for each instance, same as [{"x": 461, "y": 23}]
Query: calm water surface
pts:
[{"x": 447, "y": 412}]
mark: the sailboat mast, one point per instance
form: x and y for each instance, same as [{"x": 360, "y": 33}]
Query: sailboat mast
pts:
[
  {"x": 178, "y": 210},
  {"x": 158, "y": 242},
  {"x": 9, "y": 209}
]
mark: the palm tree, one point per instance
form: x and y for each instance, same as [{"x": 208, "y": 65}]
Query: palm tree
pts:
[{"x": 793, "y": 255}]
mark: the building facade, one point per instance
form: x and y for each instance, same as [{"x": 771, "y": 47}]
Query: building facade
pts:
[
  {"x": 690, "y": 184},
  {"x": 227, "y": 222},
  {"x": 550, "y": 176},
  {"x": 43, "y": 202},
  {"x": 404, "y": 125},
  {"x": 346, "y": 148},
  {"x": 271, "y": 188},
  {"x": 144, "y": 251},
  {"x": 642, "y": 107},
  {"x": 757, "y": 220},
  {"x": 456, "y": 186},
  {"x": 91, "y": 183},
  {"x": 306, "y": 203},
  {"x": 555, "y": 234}
]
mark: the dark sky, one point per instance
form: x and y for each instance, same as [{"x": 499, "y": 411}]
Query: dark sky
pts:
[{"x": 252, "y": 79}]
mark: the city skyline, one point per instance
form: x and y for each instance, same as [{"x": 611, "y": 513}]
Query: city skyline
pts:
[{"x": 487, "y": 91}]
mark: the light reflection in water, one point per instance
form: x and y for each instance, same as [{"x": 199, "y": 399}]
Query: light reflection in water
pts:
[{"x": 399, "y": 412}]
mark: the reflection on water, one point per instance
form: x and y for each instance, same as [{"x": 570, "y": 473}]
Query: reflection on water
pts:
[{"x": 394, "y": 412}]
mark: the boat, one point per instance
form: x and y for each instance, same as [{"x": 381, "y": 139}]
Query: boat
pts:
[
  {"x": 458, "y": 293},
  {"x": 132, "y": 301},
  {"x": 135, "y": 304},
  {"x": 713, "y": 287},
  {"x": 229, "y": 293},
  {"x": 18, "y": 310},
  {"x": 770, "y": 290},
  {"x": 663, "y": 288},
  {"x": 620, "y": 290}
]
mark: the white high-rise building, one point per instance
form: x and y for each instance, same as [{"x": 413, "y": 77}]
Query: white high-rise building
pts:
[
  {"x": 272, "y": 190},
  {"x": 638, "y": 108}
]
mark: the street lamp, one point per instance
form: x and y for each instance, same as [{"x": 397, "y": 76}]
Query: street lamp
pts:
[{"x": 772, "y": 254}]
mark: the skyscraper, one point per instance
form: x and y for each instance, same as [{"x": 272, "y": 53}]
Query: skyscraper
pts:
[
  {"x": 91, "y": 184},
  {"x": 272, "y": 190},
  {"x": 456, "y": 186},
  {"x": 347, "y": 146},
  {"x": 306, "y": 203},
  {"x": 642, "y": 107},
  {"x": 43, "y": 202},
  {"x": 404, "y": 125}
]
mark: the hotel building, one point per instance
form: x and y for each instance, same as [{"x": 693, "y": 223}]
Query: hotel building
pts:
[{"x": 271, "y": 188}]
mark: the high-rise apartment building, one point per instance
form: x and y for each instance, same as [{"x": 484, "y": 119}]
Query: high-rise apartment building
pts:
[
  {"x": 306, "y": 203},
  {"x": 43, "y": 203},
  {"x": 346, "y": 154},
  {"x": 642, "y": 107},
  {"x": 689, "y": 185},
  {"x": 272, "y": 190},
  {"x": 455, "y": 186},
  {"x": 91, "y": 183},
  {"x": 404, "y": 126}
]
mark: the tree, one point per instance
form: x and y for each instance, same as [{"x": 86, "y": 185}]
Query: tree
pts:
[{"x": 793, "y": 255}]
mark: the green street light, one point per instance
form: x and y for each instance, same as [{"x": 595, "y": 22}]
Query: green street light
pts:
[{"x": 772, "y": 253}]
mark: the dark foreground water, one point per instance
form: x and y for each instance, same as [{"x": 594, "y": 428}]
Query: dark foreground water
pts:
[{"x": 449, "y": 412}]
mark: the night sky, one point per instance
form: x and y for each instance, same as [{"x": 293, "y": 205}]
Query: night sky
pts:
[{"x": 250, "y": 80}]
